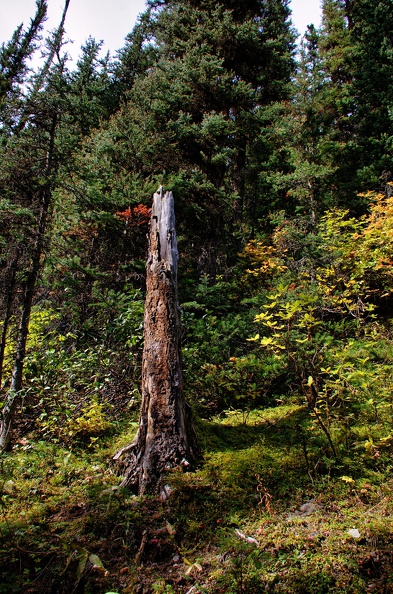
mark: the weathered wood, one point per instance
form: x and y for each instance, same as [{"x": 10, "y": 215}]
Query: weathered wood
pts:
[{"x": 166, "y": 437}]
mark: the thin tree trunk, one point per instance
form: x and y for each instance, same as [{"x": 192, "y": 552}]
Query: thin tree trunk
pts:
[
  {"x": 42, "y": 76},
  {"x": 166, "y": 437},
  {"x": 55, "y": 49},
  {"x": 7, "y": 314},
  {"x": 11, "y": 401}
]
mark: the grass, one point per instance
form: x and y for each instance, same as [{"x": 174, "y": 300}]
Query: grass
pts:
[{"x": 67, "y": 528}]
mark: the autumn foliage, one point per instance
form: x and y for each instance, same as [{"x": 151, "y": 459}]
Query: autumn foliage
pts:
[{"x": 138, "y": 215}]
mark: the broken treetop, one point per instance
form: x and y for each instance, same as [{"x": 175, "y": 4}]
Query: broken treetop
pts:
[{"x": 162, "y": 232}]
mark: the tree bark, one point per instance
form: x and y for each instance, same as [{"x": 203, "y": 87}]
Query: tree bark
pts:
[{"x": 166, "y": 436}]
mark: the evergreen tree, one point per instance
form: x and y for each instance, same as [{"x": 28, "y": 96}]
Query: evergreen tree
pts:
[
  {"x": 14, "y": 57},
  {"x": 356, "y": 49},
  {"x": 371, "y": 35},
  {"x": 90, "y": 91},
  {"x": 27, "y": 177},
  {"x": 196, "y": 118},
  {"x": 137, "y": 56},
  {"x": 302, "y": 133}
]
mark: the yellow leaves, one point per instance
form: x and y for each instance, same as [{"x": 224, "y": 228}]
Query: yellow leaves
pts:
[
  {"x": 375, "y": 247},
  {"x": 92, "y": 421},
  {"x": 267, "y": 320},
  {"x": 271, "y": 342},
  {"x": 292, "y": 308},
  {"x": 308, "y": 321},
  {"x": 277, "y": 295},
  {"x": 355, "y": 257},
  {"x": 386, "y": 441},
  {"x": 271, "y": 305},
  {"x": 265, "y": 259},
  {"x": 253, "y": 272},
  {"x": 301, "y": 340},
  {"x": 267, "y": 341},
  {"x": 347, "y": 479},
  {"x": 274, "y": 325},
  {"x": 263, "y": 317},
  {"x": 369, "y": 445}
]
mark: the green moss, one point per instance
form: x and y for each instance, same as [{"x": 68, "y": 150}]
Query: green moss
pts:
[{"x": 254, "y": 477}]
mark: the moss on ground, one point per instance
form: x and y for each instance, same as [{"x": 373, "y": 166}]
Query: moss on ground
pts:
[{"x": 266, "y": 511}]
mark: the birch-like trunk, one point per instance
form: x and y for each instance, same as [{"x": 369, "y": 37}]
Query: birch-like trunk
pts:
[{"x": 166, "y": 436}]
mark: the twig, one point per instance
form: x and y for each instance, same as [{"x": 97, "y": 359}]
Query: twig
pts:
[
  {"x": 127, "y": 448},
  {"x": 377, "y": 505}
]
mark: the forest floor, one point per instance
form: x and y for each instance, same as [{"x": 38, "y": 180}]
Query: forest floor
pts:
[{"x": 266, "y": 511}]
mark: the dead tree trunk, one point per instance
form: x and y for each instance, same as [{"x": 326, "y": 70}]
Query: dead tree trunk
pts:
[{"x": 166, "y": 436}]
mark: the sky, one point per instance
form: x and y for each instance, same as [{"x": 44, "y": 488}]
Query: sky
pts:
[{"x": 111, "y": 20}]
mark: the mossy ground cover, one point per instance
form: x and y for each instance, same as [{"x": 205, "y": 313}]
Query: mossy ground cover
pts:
[{"x": 266, "y": 511}]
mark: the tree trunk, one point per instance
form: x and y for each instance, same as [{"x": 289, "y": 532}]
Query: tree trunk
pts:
[
  {"x": 11, "y": 401},
  {"x": 8, "y": 309},
  {"x": 54, "y": 49},
  {"x": 166, "y": 437}
]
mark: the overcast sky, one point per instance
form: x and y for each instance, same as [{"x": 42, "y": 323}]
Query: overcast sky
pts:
[{"x": 111, "y": 20}]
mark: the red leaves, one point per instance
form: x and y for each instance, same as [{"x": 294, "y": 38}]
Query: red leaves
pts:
[{"x": 138, "y": 215}]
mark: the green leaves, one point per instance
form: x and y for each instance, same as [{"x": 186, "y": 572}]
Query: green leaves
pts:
[{"x": 83, "y": 556}]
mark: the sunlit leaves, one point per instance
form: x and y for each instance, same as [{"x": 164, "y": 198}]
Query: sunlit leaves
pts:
[{"x": 317, "y": 316}]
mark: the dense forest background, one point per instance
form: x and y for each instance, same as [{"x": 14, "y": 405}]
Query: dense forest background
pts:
[{"x": 280, "y": 161}]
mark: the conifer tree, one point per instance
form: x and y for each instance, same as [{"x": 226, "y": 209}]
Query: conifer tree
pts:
[
  {"x": 14, "y": 57},
  {"x": 195, "y": 119},
  {"x": 371, "y": 25},
  {"x": 302, "y": 131},
  {"x": 356, "y": 49},
  {"x": 27, "y": 178}
]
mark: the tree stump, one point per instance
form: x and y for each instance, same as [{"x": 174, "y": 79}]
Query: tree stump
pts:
[{"x": 166, "y": 436}]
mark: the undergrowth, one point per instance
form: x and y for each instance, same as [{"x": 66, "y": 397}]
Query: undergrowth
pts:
[{"x": 268, "y": 510}]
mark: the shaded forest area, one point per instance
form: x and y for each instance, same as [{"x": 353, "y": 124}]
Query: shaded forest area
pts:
[{"x": 280, "y": 161}]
